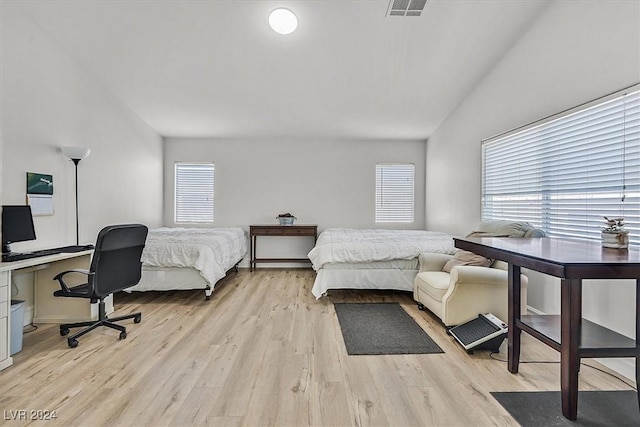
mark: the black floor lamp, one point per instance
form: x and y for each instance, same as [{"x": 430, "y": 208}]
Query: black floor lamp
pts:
[{"x": 75, "y": 154}]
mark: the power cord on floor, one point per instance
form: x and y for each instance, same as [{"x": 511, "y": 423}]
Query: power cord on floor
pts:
[
  {"x": 581, "y": 363},
  {"x": 32, "y": 327},
  {"x": 526, "y": 361}
]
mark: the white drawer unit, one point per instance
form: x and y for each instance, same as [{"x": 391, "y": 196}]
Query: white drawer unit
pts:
[
  {"x": 4, "y": 292},
  {"x": 46, "y": 308},
  {"x": 4, "y": 342},
  {"x": 5, "y": 307}
]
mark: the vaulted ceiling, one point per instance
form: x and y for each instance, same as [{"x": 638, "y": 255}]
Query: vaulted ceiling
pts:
[{"x": 211, "y": 68}]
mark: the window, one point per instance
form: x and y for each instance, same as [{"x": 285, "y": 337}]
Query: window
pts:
[
  {"x": 566, "y": 173},
  {"x": 194, "y": 192},
  {"x": 394, "y": 192}
]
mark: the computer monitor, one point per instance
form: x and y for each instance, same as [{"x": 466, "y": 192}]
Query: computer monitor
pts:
[{"x": 17, "y": 225}]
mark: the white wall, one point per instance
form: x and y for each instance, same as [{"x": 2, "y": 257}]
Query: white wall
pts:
[
  {"x": 48, "y": 100},
  {"x": 576, "y": 51},
  {"x": 329, "y": 183}
]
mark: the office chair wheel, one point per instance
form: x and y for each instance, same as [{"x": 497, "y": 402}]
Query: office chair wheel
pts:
[
  {"x": 72, "y": 343},
  {"x": 123, "y": 335},
  {"x": 64, "y": 331},
  {"x": 137, "y": 319}
]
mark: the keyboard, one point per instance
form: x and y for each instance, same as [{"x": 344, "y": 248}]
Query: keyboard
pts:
[
  {"x": 74, "y": 248},
  {"x": 19, "y": 256}
]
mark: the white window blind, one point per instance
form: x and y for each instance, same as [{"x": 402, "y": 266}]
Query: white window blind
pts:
[
  {"x": 394, "y": 192},
  {"x": 194, "y": 192},
  {"x": 566, "y": 174}
]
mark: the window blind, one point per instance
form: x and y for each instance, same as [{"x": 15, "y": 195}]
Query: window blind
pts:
[
  {"x": 566, "y": 174},
  {"x": 194, "y": 192},
  {"x": 394, "y": 192}
]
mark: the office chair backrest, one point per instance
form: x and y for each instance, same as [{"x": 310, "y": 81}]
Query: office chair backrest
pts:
[{"x": 116, "y": 259}]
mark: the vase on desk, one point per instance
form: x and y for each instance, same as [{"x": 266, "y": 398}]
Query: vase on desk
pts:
[
  {"x": 286, "y": 219},
  {"x": 615, "y": 239}
]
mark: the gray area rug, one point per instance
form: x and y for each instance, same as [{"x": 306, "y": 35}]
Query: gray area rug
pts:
[
  {"x": 595, "y": 408},
  {"x": 382, "y": 328}
]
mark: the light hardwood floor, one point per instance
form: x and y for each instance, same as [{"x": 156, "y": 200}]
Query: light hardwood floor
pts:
[{"x": 262, "y": 351}]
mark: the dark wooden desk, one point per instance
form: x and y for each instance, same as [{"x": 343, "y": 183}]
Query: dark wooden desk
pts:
[
  {"x": 574, "y": 337},
  {"x": 278, "y": 230}
]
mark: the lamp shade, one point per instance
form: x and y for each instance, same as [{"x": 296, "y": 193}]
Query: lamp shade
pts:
[{"x": 76, "y": 153}]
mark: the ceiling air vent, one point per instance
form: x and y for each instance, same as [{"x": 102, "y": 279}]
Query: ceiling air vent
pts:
[{"x": 406, "y": 7}]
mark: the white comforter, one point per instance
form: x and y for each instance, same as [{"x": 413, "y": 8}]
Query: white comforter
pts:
[
  {"x": 211, "y": 251},
  {"x": 346, "y": 245}
]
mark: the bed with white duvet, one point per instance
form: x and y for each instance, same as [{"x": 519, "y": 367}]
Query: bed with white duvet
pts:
[
  {"x": 346, "y": 258},
  {"x": 176, "y": 258}
]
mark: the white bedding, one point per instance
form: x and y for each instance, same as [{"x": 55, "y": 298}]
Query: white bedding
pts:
[
  {"x": 210, "y": 251},
  {"x": 363, "y": 278},
  {"x": 372, "y": 259},
  {"x": 346, "y": 245},
  {"x": 400, "y": 264}
]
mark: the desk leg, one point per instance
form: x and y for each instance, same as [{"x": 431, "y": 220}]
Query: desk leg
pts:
[
  {"x": 570, "y": 330},
  {"x": 514, "y": 333},
  {"x": 252, "y": 251},
  {"x": 638, "y": 338}
]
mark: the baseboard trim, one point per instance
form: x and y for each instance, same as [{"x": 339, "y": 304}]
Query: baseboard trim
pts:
[{"x": 534, "y": 310}]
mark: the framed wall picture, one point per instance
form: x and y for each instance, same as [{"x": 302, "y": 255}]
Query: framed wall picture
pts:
[
  {"x": 39, "y": 183},
  {"x": 40, "y": 193}
]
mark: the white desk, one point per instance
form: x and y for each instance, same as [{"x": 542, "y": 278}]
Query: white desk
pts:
[{"x": 47, "y": 308}]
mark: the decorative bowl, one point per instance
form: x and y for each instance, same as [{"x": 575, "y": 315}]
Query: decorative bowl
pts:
[{"x": 286, "y": 220}]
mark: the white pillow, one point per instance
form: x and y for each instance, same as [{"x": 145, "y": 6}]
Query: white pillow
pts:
[{"x": 466, "y": 258}]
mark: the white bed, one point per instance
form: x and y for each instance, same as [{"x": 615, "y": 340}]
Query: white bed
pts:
[
  {"x": 190, "y": 258},
  {"x": 346, "y": 258}
]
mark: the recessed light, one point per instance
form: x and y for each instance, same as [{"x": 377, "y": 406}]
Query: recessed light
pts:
[{"x": 283, "y": 21}]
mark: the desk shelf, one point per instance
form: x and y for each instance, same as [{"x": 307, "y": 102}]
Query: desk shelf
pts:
[{"x": 595, "y": 340}]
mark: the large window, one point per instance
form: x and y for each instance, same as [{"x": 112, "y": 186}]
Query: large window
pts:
[
  {"x": 194, "y": 192},
  {"x": 564, "y": 174},
  {"x": 394, "y": 192}
]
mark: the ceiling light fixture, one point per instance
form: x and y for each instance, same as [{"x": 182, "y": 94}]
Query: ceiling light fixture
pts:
[{"x": 283, "y": 21}]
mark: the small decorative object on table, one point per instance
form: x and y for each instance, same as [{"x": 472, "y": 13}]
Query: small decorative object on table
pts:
[
  {"x": 614, "y": 234},
  {"x": 286, "y": 219}
]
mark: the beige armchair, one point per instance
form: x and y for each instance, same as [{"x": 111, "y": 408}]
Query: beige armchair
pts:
[{"x": 469, "y": 290}]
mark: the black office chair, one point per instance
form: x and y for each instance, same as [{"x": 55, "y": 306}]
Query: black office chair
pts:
[{"x": 115, "y": 266}]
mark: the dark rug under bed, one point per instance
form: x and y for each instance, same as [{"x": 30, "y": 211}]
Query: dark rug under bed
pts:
[
  {"x": 382, "y": 328},
  {"x": 595, "y": 408}
]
